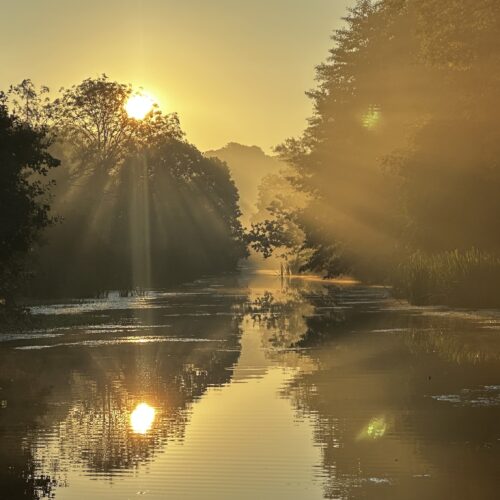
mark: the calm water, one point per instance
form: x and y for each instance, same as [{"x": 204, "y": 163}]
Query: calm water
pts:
[{"x": 251, "y": 388}]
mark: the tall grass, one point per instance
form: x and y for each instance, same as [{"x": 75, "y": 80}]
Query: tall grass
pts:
[{"x": 457, "y": 278}]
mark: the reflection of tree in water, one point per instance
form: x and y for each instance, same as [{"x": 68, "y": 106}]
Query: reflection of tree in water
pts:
[
  {"x": 475, "y": 345},
  {"x": 85, "y": 418},
  {"x": 24, "y": 389},
  {"x": 281, "y": 315},
  {"x": 306, "y": 314},
  {"x": 310, "y": 317},
  {"x": 25, "y": 482},
  {"x": 380, "y": 433},
  {"x": 168, "y": 377}
]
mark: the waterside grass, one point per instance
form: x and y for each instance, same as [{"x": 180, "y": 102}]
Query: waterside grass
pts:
[{"x": 468, "y": 278}]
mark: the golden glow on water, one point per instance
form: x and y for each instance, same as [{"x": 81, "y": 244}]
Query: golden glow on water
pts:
[
  {"x": 142, "y": 418},
  {"x": 372, "y": 117},
  {"x": 375, "y": 429},
  {"x": 250, "y": 417},
  {"x": 139, "y": 105}
]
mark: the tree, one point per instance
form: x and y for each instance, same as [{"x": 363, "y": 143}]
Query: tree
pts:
[
  {"x": 336, "y": 160},
  {"x": 91, "y": 118},
  {"x": 30, "y": 104},
  {"x": 401, "y": 153},
  {"x": 141, "y": 207},
  {"x": 275, "y": 227},
  {"x": 24, "y": 204}
]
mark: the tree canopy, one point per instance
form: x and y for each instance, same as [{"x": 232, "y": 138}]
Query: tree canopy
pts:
[
  {"x": 402, "y": 150},
  {"x": 24, "y": 205},
  {"x": 91, "y": 117},
  {"x": 138, "y": 205}
]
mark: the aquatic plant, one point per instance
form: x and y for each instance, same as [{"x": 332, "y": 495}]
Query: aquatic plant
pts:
[{"x": 456, "y": 278}]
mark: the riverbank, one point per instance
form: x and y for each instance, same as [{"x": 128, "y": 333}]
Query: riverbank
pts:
[{"x": 457, "y": 279}]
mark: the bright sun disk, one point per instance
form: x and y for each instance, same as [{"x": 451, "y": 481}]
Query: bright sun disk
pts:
[
  {"x": 138, "y": 106},
  {"x": 141, "y": 419}
]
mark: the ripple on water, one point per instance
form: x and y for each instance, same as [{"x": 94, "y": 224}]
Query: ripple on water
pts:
[
  {"x": 317, "y": 392},
  {"x": 125, "y": 340},
  {"x": 488, "y": 395}
]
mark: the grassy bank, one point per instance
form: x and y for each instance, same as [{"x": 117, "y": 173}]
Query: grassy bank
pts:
[{"x": 462, "y": 279}]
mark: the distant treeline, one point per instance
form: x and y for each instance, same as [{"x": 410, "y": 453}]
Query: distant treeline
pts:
[
  {"x": 94, "y": 200},
  {"x": 401, "y": 159}
]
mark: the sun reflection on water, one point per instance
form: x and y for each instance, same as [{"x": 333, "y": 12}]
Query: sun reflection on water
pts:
[{"x": 142, "y": 418}]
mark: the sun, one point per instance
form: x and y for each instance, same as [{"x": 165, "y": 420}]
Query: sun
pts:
[
  {"x": 141, "y": 419},
  {"x": 138, "y": 106}
]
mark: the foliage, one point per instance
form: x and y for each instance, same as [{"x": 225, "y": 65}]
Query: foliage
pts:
[
  {"x": 140, "y": 206},
  {"x": 275, "y": 228},
  {"x": 91, "y": 117},
  {"x": 469, "y": 278},
  {"x": 31, "y": 105},
  {"x": 24, "y": 205},
  {"x": 402, "y": 150}
]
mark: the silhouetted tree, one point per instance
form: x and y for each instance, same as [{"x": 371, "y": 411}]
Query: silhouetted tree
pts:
[
  {"x": 140, "y": 206},
  {"x": 402, "y": 151},
  {"x": 31, "y": 105},
  {"x": 24, "y": 205},
  {"x": 91, "y": 118}
]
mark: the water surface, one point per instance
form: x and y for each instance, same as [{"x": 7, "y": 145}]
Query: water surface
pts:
[{"x": 251, "y": 387}]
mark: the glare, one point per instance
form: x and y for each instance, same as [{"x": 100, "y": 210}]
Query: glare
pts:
[
  {"x": 139, "y": 105},
  {"x": 141, "y": 419},
  {"x": 375, "y": 429},
  {"x": 371, "y": 118}
]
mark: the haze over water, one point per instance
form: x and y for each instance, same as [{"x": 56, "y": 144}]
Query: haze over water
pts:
[
  {"x": 250, "y": 250},
  {"x": 251, "y": 387}
]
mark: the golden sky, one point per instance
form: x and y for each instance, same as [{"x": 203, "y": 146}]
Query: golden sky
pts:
[{"x": 234, "y": 70}]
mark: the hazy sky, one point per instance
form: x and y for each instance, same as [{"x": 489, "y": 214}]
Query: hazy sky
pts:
[{"x": 234, "y": 70}]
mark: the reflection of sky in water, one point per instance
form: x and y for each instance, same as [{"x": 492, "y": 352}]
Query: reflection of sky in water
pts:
[
  {"x": 479, "y": 396},
  {"x": 293, "y": 390},
  {"x": 125, "y": 340}
]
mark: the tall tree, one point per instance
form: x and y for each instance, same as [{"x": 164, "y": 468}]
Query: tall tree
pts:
[
  {"x": 24, "y": 204},
  {"x": 141, "y": 206},
  {"x": 91, "y": 117},
  {"x": 402, "y": 150}
]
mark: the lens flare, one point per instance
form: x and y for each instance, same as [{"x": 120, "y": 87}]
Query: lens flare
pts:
[
  {"x": 375, "y": 429},
  {"x": 371, "y": 118},
  {"x": 142, "y": 418}
]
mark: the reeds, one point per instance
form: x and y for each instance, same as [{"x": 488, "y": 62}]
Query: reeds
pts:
[{"x": 468, "y": 278}]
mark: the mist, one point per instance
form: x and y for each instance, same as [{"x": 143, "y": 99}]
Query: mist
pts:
[{"x": 250, "y": 250}]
